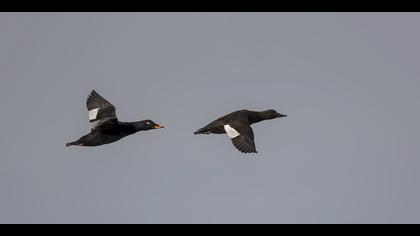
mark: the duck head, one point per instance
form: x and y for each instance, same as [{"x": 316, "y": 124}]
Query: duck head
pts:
[
  {"x": 147, "y": 125},
  {"x": 271, "y": 114}
]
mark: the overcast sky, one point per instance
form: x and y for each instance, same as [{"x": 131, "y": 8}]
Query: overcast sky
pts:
[{"x": 348, "y": 152}]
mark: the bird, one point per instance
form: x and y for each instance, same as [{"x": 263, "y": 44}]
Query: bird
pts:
[
  {"x": 237, "y": 126},
  {"x": 106, "y": 128}
]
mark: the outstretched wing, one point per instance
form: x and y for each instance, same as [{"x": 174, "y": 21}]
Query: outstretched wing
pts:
[
  {"x": 101, "y": 112},
  {"x": 242, "y": 136}
]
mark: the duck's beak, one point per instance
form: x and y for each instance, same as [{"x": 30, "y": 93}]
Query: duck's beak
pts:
[
  {"x": 281, "y": 115},
  {"x": 159, "y": 127}
]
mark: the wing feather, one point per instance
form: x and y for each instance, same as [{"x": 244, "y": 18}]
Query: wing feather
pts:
[
  {"x": 100, "y": 110},
  {"x": 242, "y": 136}
]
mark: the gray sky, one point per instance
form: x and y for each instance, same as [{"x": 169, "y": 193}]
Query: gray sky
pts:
[{"x": 347, "y": 153}]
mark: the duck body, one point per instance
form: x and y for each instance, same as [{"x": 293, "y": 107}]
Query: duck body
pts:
[
  {"x": 106, "y": 128},
  {"x": 111, "y": 133},
  {"x": 217, "y": 126},
  {"x": 237, "y": 125}
]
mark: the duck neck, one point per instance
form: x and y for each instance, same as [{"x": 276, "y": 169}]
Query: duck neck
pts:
[
  {"x": 255, "y": 117},
  {"x": 133, "y": 127}
]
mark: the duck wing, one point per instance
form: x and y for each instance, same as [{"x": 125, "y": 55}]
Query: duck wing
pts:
[
  {"x": 101, "y": 112},
  {"x": 241, "y": 135}
]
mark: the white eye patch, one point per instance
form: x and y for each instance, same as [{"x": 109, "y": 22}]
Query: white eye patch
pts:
[
  {"x": 93, "y": 114},
  {"x": 231, "y": 132}
]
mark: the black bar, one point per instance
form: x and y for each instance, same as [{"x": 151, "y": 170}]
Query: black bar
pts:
[{"x": 208, "y": 5}]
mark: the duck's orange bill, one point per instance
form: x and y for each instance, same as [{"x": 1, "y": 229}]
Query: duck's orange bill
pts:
[{"x": 159, "y": 127}]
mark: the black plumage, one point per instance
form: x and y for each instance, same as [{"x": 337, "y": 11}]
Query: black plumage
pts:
[
  {"x": 106, "y": 128},
  {"x": 237, "y": 125}
]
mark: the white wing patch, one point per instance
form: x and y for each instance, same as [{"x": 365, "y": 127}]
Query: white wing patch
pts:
[
  {"x": 95, "y": 123},
  {"x": 93, "y": 114},
  {"x": 231, "y": 132}
]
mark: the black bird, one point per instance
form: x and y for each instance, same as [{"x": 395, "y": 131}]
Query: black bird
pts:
[
  {"x": 237, "y": 126},
  {"x": 105, "y": 125}
]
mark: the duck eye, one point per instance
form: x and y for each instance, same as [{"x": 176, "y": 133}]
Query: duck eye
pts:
[{"x": 148, "y": 123}]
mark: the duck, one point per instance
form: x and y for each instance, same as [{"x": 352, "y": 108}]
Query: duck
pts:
[
  {"x": 237, "y": 126},
  {"x": 106, "y": 128}
]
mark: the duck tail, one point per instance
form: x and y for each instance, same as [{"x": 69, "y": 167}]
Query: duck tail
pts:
[
  {"x": 202, "y": 131},
  {"x": 71, "y": 144}
]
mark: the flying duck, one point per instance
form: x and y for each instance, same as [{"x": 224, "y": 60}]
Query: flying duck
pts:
[
  {"x": 237, "y": 126},
  {"x": 105, "y": 125}
]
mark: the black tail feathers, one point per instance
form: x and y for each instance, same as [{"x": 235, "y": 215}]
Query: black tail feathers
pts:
[
  {"x": 202, "y": 131},
  {"x": 72, "y": 144}
]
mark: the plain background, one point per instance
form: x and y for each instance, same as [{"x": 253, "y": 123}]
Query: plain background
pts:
[{"x": 347, "y": 153}]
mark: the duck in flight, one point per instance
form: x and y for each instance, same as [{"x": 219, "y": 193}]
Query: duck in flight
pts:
[
  {"x": 237, "y": 126},
  {"x": 105, "y": 125}
]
